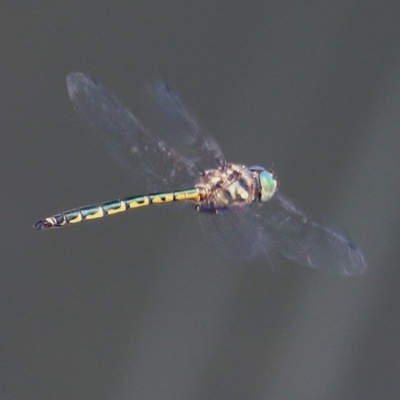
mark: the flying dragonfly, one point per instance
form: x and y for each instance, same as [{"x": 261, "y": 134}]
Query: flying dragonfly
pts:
[{"x": 240, "y": 209}]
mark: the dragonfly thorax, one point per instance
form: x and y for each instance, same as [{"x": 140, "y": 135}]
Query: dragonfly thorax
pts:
[{"x": 231, "y": 185}]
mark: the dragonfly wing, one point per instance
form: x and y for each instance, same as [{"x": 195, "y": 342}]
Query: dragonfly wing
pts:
[
  {"x": 303, "y": 240},
  {"x": 181, "y": 130},
  {"x": 151, "y": 161},
  {"x": 235, "y": 233}
]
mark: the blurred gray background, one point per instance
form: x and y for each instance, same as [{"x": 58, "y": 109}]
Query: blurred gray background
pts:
[{"x": 137, "y": 306}]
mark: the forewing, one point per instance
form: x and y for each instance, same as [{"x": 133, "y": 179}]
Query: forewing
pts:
[
  {"x": 152, "y": 163},
  {"x": 307, "y": 242},
  {"x": 181, "y": 130}
]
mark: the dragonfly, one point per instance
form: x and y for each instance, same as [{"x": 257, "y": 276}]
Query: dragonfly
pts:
[{"x": 240, "y": 209}]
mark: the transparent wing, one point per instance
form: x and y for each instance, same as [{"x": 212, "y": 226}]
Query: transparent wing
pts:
[
  {"x": 301, "y": 239},
  {"x": 235, "y": 233},
  {"x": 243, "y": 233},
  {"x": 182, "y": 132},
  {"x": 151, "y": 161}
]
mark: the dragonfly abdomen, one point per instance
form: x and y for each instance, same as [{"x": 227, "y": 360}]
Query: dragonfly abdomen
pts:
[{"x": 116, "y": 206}]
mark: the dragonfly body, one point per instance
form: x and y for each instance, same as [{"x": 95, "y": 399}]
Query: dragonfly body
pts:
[
  {"x": 239, "y": 207},
  {"x": 231, "y": 186}
]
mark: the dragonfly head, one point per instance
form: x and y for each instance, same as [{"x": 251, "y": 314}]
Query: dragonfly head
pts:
[{"x": 267, "y": 181}]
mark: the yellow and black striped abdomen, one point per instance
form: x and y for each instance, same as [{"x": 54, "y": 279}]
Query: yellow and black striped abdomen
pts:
[{"x": 116, "y": 206}]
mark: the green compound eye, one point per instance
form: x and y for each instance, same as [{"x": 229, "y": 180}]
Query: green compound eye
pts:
[
  {"x": 268, "y": 182},
  {"x": 268, "y": 185}
]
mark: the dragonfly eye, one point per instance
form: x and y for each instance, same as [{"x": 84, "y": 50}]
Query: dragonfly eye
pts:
[{"x": 268, "y": 182}]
